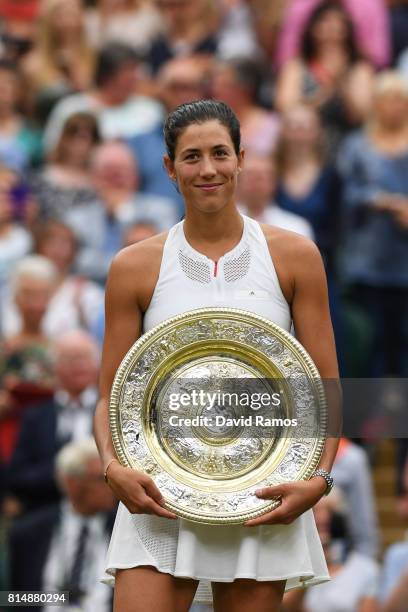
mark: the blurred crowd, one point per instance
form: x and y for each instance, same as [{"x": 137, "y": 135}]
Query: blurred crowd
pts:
[{"x": 321, "y": 91}]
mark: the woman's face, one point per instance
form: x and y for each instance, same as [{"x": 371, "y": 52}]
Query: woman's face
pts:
[
  {"x": 205, "y": 166},
  {"x": 391, "y": 109},
  {"x": 331, "y": 27}
]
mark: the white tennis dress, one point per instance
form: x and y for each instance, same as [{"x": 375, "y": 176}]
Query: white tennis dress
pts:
[{"x": 243, "y": 278}]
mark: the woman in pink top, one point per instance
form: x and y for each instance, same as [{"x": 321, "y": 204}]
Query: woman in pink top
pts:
[
  {"x": 369, "y": 17},
  {"x": 330, "y": 74}
]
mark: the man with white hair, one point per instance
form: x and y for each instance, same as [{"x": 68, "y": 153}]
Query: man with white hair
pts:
[
  {"x": 26, "y": 363},
  {"x": 100, "y": 225},
  {"x": 62, "y": 547},
  {"x": 46, "y": 427}
]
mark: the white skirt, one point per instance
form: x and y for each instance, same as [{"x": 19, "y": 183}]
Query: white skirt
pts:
[{"x": 218, "y": 553}]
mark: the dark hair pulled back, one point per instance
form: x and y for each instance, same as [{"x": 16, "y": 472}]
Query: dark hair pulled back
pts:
[{"x": 198, "y": 112}]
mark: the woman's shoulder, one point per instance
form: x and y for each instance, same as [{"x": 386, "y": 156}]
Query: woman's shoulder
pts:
[
  {"x": 296, "y": 258},
  {"x": 134, "y": 272},
  {"x": 287, "y": 243}
]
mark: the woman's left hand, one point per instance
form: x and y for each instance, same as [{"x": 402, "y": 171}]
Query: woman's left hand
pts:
[{"x": 296, "y": 498}]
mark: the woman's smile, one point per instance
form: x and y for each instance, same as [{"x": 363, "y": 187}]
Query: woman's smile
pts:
[{"x": 209, "y": 186}]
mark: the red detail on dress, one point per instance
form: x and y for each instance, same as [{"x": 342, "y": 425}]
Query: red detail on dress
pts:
[{"x": 215, "y": 267}]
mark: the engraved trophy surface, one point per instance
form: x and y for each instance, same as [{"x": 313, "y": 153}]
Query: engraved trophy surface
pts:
[{"x": 182, "y": 410}]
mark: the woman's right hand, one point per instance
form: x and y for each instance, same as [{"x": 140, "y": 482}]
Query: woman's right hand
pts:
[{"x": 137, "y": 491}]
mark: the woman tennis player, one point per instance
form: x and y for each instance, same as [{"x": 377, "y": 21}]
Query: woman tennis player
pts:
[{"x": 214, "y": 257}]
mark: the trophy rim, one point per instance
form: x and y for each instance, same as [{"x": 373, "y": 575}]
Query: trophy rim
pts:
[{"x": 147, "y": 340}]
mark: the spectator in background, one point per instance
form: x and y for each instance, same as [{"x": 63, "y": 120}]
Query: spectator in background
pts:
[
  {"x": 329, "y": 74},
  {"x": 115, "y": 181},
  {"x": 62, "y": 547},
  {"x": 66, "y": 417},
  {"x": 237, "y": 35},
  {"x": 374, "y": 167},
  {"x": 75, "y": 301},
  {"x": 257, "y": 187},
  {"x": 132, "y": 22},
  {"x": 237, "y": 82},
  {"x": 190, "y": 29},
  {"x": 120, "y": 110},
  {"x": 394, "y": 582},
  {"x": 134, "y": 232},
  {"x": 267, "y": 18},
  {"x": 26, "y": 367},
  {"x": 351, "y": 471},
  {"x": 354, "y": 577},
  {"x": 15, "y": 240},
  {"x": 61, "y": 61},
  {"x": 20, "y": 142},
  {"x": 249, "y": 28},
  {"x": 370, "y": 21},
  {"x": 64, "y": 182},
  {"x": 179, "y": 80},
  {"x": 309, "y": 186}
]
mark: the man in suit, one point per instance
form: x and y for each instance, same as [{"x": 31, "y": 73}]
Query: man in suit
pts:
[
  {"x": 45, "y": 428},
  {"x": 63, "y": 547}
]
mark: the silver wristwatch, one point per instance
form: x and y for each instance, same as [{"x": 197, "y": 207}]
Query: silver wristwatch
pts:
[{"x": 328, "y": 478}]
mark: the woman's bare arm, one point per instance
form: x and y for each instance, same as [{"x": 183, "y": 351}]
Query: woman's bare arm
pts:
[
  {"x": 122, "y": 328},
  {"x": 313, "y": 328},
  {"x": 303, "y": 282},
  {"x": 123, "y": 323}
]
